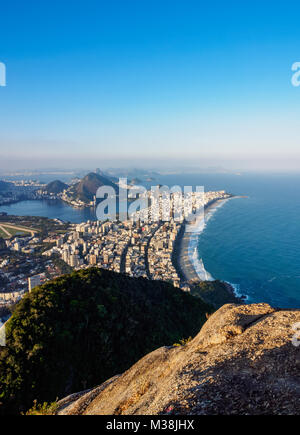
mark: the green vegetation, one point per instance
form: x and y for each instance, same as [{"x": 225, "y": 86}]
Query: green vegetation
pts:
[
  {"x": 42, "y": 225},
  {"x": 3, "y": 234},
  {"x": 78, "y": 330},
  {"x": 13, "y": 231},
  {"x": 63, "y": 266},
  {"x": 216, "y": 293},
  {"x": 183, "y": 342},
  {"x": 42, "y": 409}
]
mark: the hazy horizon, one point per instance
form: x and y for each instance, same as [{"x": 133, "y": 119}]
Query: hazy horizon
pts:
[{"x": 284, "y": 165}]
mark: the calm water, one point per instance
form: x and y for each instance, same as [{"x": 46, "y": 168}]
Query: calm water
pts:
[
  {"x": 253, "y": 242},
  {"x": 51, "y": 209}
]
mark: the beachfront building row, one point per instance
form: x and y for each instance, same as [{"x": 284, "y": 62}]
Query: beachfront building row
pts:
[
  {"x": 140, "y": 249},
  {"x": 160, "y": 253}
]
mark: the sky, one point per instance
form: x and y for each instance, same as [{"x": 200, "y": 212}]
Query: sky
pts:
[{"x": 138, "y": 82}]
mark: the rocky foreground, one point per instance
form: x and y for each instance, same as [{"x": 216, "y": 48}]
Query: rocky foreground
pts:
[{"x": 242, "y": 361}]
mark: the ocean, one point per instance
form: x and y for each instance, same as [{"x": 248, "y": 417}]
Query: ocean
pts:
[{"x": 253, "y": 242}]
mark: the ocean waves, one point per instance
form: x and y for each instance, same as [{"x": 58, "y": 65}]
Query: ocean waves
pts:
[{"x": 193, "y": 253}]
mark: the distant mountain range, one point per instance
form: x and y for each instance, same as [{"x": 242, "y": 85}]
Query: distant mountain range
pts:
[{"x": 132, "y": 173}]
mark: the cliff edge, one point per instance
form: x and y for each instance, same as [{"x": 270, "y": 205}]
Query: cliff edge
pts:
[{"x": 242, "y": 361}]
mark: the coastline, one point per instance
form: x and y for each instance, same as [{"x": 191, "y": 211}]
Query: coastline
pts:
[{"x": 191, "y": 268}]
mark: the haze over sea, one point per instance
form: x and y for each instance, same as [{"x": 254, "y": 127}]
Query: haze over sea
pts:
[{"x": 253, "y": 242}]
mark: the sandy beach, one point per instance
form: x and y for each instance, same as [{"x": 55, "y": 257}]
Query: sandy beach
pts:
[
  {"x": 190, "y": 268},
  {"x": 185, "y": 262}
]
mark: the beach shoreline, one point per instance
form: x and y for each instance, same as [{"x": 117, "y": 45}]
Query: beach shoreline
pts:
[{"x": 188, "y": 264}]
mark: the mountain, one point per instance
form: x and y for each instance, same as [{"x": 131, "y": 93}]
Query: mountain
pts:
[
  {"x": 215, "y": 293},
  {"x": 86, "y": 189},
  {"x": 55, "y": 187},
  {"x": 80, "y": 329},
  {"x": 106, "y": 175},
  {"x": 242, "y": 361}
]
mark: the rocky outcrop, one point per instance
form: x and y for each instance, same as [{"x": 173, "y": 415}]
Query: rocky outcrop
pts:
[{"x": 242, "y": 361}]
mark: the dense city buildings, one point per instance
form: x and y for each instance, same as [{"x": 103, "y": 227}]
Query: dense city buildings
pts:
[{"x": 141, "y": 246}]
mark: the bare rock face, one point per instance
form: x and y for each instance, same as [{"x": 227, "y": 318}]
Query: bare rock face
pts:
[{"x": 242, "y": 361}]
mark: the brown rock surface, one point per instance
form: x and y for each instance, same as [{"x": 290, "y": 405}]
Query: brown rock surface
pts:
[{"x": 241, "y": 362}]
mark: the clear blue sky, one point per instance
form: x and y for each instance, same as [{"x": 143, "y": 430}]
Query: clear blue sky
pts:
[{"x": 205, "y": 83}]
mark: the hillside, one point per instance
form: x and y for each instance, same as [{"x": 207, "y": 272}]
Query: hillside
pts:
[
  {"x": 215, "y": 293},
  {"x": 80, "y": 329},
  {"x": 241, "y": 362},
  {"x": 88, "y": 186},
  {"x": 55, "y": 187}
]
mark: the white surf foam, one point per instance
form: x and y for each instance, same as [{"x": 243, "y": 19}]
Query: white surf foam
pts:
[
  {"x": 193, "y": 253},
  {"x": 197, "y": 262}
]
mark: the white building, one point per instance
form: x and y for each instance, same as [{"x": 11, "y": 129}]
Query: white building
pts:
[{"x": 33, "y": 281}]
